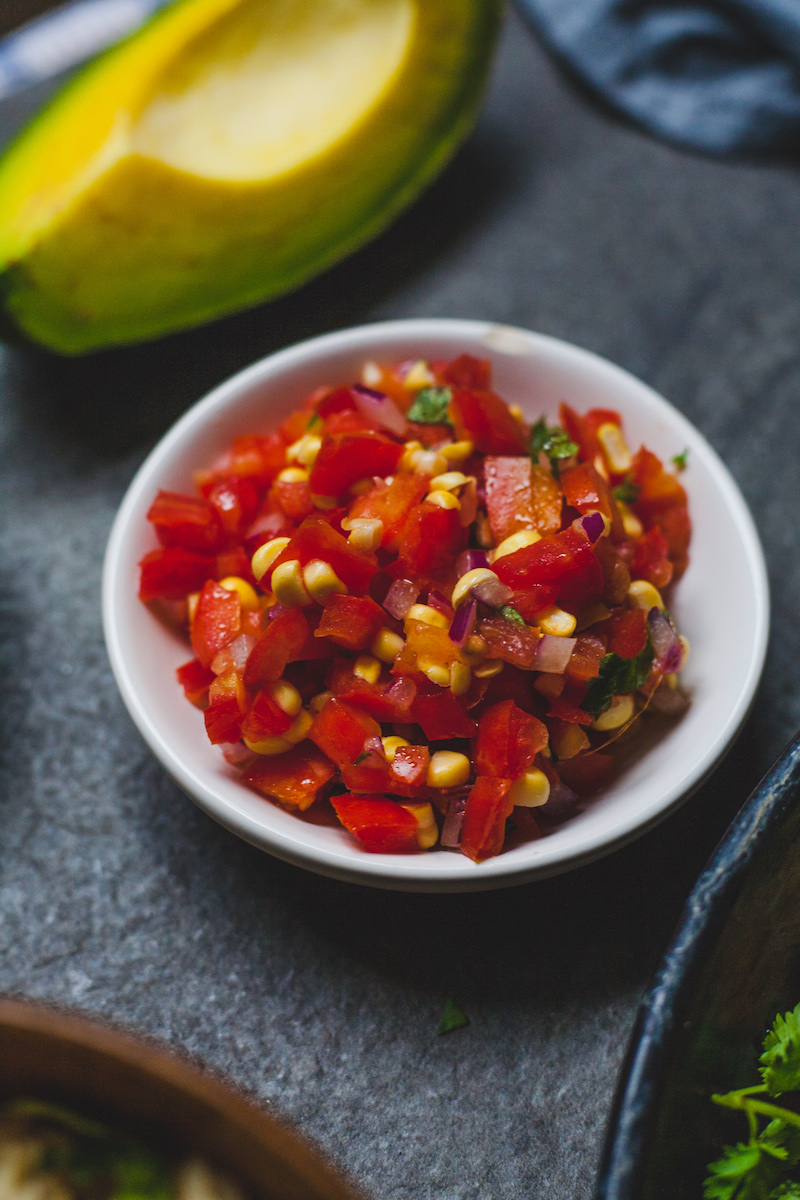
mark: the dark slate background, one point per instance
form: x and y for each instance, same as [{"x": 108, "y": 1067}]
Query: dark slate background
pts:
[{"x": 119, "y": 897}]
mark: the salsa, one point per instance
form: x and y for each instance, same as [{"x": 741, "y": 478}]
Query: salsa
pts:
[{"x": 410, "y": 609}]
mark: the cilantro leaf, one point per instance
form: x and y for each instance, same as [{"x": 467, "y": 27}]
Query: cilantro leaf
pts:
[
  {"x": 552, "y": 441},
  {"x": 786, "y": 1191},
  {"x": 453, "y": 1018},
  {"x": 430, "y": 406},
  {"x": 617, "y": 675},
  {"x": 747, "y": 1171},
  {"x": 780, "y": 1061},
  {"x": 626, "y": 492},
  {"x": 681, "y": 459},
  {"x": 511, "y": 614},
  {"x": 361, "y": 758}
]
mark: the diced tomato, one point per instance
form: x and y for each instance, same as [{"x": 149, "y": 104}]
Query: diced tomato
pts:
[
  {"x": 234, "y": 562},
  {"x": 365, "y": 777},
  {"x": 171, "y": 573},
  {"x": 391, "y": 504},
  {"x": 351, "y": 621},
  {"x": 235, "y": 502},
  {"x": 334, "y": 400},
  {"x": 651, "y": 559},
  {"x": 585, "y": 489},
  {"x": 348, "y": 457},
  {"x": 349, "y": 420},
  {"x": 316, "y": 539},
  {"x": 488, "y": 808},
  {"x": 429, "y": 540},
  {"x": 519, "y": 496},
  {"x": 583, "y": 429},
  {"x": 659, "y": 490},
  {"x": 676, "y": 527},
  {"x": 216, "y": 621},
  {"x": 564, "y": 560},
  {"x": 265, "y": 719},
  {"x": 485, "y": 419},
  {"x": 565, "y": 710},
  {"x": 279, "y": 644},
  {"x": 550, "y": 685},
  {"x": 429, "y": 435},
  {"x": 296, "y": 423},
  {"x": 340, "y": 731},
  {"x": 383, "y": 701},
  {"x": 467, "y": 371},
  {"x": 294, "y": 778},
  {"x": 589, "y": 652},
  {"x": 627, "y": 632},
  {"x": 186, "y": 521},
  {"x": 508, "y": 740},
  {"x": 616, "y": 576},
  {"x": 380, "y": 825},
  {"x": 252, "y": 457},
  {"x": 588, "y": 774},
  {"x": 195, "y": 679},
  {"x": 408, "y": 773},
  {"x": 294, "y": 498},
  {"x": 529, "y": 602},
  {"x": 514, "y": 643},
  {"x": 226, "y": 709},
  {"x": 441, "y": 716}
]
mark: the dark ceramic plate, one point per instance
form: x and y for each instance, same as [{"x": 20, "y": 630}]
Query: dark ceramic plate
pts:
[{"x": 734, "y": 963}]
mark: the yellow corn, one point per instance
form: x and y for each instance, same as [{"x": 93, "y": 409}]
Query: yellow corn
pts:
[
  {"x": 456, "y": 452},
  {"x": 461, "y": 591},
  {"x": 299, "y": 728},
  {"x": 438, "y": 673},
  {"x": 359, "y": 487},
  {"x": 319, "y": 701},
  {"x": 321, "y": 580},
  {"x": 304, "y": 450},
  {"x": 488, "y": 669},
  {"x": 615, "y": 448},
  {"x": 460, "y": 678},
  {"x": 407, "y": 458},
  {"x": 448, "y": 769},
  {"x": 245, "y": 591},
  {"x": 516, "y": 541},
  {"x": 684, "y": 641},
  {"x": 387, "y": 645},
  {"x": 365, "y": 534},
  {"x": 427, "y": 829},
  {"x": 600, "y": 466},
  {"x": 531, "y": 790},
  {"x": 451, "y": 481},
  {"x": 371, "y": 374},
  {"x": 287, "y": 697},
  {"x": 642, "y": 594},
  {"x": 192, "y": 601},
  {"x": 296, "y": 732},
  {"x": 391, "y": 745},
  {"x": 630, "y": 522},
  {"x": 443, "y": 499},
  {"x": 516, "y": 412},
  {"x": 620, "y": 712},
  {"x": 288, "y": 586},
  {"x": 292, "y": 475},
  {"x": 367, "y": 667},
  {"x": 556, "y": 622},
  {"x": 418, "y": 377},
  {"x": 428, "y": 615},
  {"x": 427, "y": 462},
  {"x": 323, "y": 502},
  {"x": 265, "y": 556}
]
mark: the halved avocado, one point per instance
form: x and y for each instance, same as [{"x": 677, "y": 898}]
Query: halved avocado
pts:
[{"x": 227, "y": 152}]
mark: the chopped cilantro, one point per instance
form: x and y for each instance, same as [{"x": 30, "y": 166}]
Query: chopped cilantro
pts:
[
  {"x": 313, "y": 421},
  {"x": 626, "y": 492},
  {"x": 430, "y": 406},
  {"x": 552, "y": 441},
  {"x": 617, "y": 675},
  {"x": 680, "y": 460},
  {"x": 511, "y": 614},
  {"x": 453, "y": 1018}
]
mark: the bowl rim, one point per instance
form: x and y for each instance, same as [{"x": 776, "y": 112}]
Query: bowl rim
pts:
[
  {"x": 407, "y": 873},
  {"x": 661, "y": 1011}
]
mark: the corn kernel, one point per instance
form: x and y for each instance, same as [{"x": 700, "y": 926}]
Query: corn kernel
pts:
[
  {"x": 456, "y": 452},
  {"x": 367, "y": 667},
  {"x": 360, "y": 487},
  {"x": 460, "y": 678},
  {"x": 304, "y": 450},
  {"x": 531, "y": 790},
  {"x": 319, "y": 701},
  {"x": 288, "y": 586},
  {"x": 483, "y": 531},
  {"x": 418, "y": 377},
  {"x": 443, "y": 499},
  {"x": 265, "y": 556},
  {"x": 684, "y": 641},
  {"x": 192, "y": 601},
  {"x": 556, "y": 622},
  {"x": 293, "y": 475},
  {"x": 287, "y": 697},
  {"x": 516, "y": 541},
  {"x": 516, "y": 412},
  {"x": 630, "y": 522},
  {"x": 371, "y": 374},
  {"x": 245, "y": 591},
  {"x": 298, "y": 730},
  {"x": 269, "y": 746},
  {"x": 407, "y": 458},
  {"x": 488, "y": 669},
  {"x": 615, "y": 448},
  {"x": 620, "y": 712},
  {"x": 324, "y": 502},
  {"x": 438, "y": 673},
  {"x": 391, "y": 745},
  {"x": 427, "y": 462},
  {"x": 476, "y": 646},
  {"x": 387, "y": 645},
  {"x": 321, "y": 580},
  {"x": 461, "y": 591},
  {"x": 448, "y": 769},
  {"x": 642, "y": 594},
  {"x": 600, "y": 466},
  {"x": 451, "y": 481},
  {"x": 427, "y": 829},
  {"x": 366, "y": 533},
  {"x": 428, "y": 615}
]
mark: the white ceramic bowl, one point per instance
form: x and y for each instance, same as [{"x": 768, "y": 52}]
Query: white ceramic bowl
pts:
[{"x": 721, "y": 604}]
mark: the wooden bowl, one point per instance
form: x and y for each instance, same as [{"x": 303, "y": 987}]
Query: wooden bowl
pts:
[{"x": 148, "y": 1091}]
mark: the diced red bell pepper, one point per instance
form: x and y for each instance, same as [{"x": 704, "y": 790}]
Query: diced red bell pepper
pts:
[
  {"x": 441, "y": 715},
  {"x": 294, "y": 498},
  {"x": 195, "y": 679},
  {"x": 217, "y": 621},
  {"x": 659, "y": 490},
  {"x": 429, "y": 539},
  {"x": 616, "y": 576},
  {"x": 429, "y": 435},
  {"x": 351, "y": 621},
  {"x": 514, "y": 643},
  {"x": 627, "y": 632},
  {"x": 585, "y": 489},
  {"x": 296, "y": 423},
  {"x": 383, "y": 701},
  {"x": 334, "y": 400},
  {"x": 513, "y": 684},
  {"x": 235, "y": 502},
  {"x": 487, "y": 810},
  {"x": 519, "y": 496},
  {"x": 265, "y": 719},
  {"x": 484, "y": 419},
  {"x": 252, "y": 457},
  {"x": 508, "y": 740},
  {"x": 226, "y": 709},
  {"x": 391, "y": 504},
  {"x": 380, "y": 825},
  {"x": 677, "y": 529},
  {"x": 349, "y": 420},
  {"x": 294, "y": 778},
  {"x": 583, "y": 429},
  {"x": 467, "y": 371},
  {"x": 529, "y": 602},
  {"x": 651, "y": 558},
  {"x": 408, "y": 772},
  {"x": 279, "y": 644},
  {"x": 316, "y": 539},
  {"x": 589, "y": 652},
  {"x": 186, "y": 521},
  {"x": 348, "y": 457},
  {"x": 340, "y": 731},
  {"x": 565, "y": 709},
  {"x": 565, "y": 560},
  {"x": 588, "y": 774},
  {"x": 366, "y": 777},
  {"x": 171, "y": 573}
]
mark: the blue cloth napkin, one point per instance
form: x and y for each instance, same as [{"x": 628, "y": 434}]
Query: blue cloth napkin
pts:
[{"x": 722, "y": 76}]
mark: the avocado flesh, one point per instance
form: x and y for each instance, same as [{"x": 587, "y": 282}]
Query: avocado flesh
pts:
[{"x": 227, "y": 152}]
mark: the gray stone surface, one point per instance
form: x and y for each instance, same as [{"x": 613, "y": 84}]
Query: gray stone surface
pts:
[{"x": 119, "y": 897}]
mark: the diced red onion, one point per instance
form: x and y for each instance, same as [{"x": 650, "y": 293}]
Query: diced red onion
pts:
[
  {"x": 401, "y": 693},
  {"x": 492, "y": 592},
  {"x": 376, "y": 757},
  {"x": 277, "y": 610},
  {"x": 272, "y": 523},
  {"x": 380, "y": 408},
  {"x": 553, "y": 654},
  {"x": 463, "y": 622},
  {"x": 468, "y": 560},
  {"x": 666, "y": 646},
  {"x": 439, "y": 602},
  {"x": 399, "y": 598},
  {"x": 240, "y": 649},
  {"x": 236, "y": 753},
  {"x": 451, "y": 830},
  {"x": 668, "y": 700},
  {"x": 593, "y": 526},
  {"x": 560, "y": 803}
]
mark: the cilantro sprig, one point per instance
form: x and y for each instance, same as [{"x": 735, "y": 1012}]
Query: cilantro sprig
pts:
[
  {"x": 511, "y": 614},
  {"x": 430, "y": 406},
  {"x": 453, "y": 1018},
  {"x": 553, "y": 442},
  {"x": 681, "y": 460},
  {"x": 766, "y": 1166},
  {"x": 626, "y": 492},
  {"x": 617, "y": 675}
]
